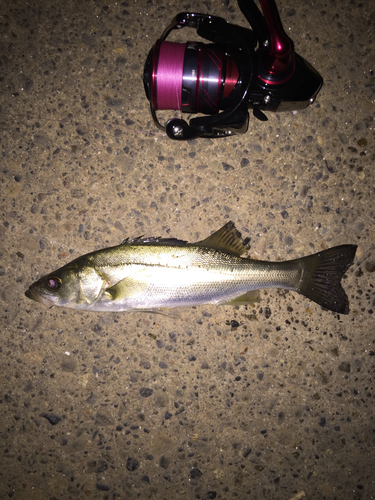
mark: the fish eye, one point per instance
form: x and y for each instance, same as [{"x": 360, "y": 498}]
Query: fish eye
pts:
[{"x": 53, "y": 282}]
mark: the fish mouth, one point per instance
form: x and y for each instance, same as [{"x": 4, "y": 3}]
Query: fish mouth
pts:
[
  {"x": 38, "y": 298},
  {"x": 29, "y": 294}
]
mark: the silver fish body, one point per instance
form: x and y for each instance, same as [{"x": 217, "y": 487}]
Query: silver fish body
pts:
[{"x": 150, "y": 274}]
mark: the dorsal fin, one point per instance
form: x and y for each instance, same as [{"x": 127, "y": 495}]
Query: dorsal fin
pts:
[
  {"x": 227, "y": 239},
  {"x": 154, "y": 240}
]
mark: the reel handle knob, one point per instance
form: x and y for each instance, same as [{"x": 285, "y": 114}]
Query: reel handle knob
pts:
[{"x": 180, "y": 130}]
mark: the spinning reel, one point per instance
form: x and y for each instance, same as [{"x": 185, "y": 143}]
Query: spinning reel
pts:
[{"x": 241, "y": 69}]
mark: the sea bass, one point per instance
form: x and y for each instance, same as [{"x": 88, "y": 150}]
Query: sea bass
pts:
[{"x": 146, "y": 274}]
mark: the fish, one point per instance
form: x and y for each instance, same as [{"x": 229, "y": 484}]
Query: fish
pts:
[{"x": 152, "y": 274}]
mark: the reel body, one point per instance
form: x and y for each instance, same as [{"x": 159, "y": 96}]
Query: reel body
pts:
[{"x": 240, "y": 69}]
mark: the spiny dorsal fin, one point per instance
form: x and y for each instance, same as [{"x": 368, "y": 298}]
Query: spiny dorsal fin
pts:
[
  {"x": 227, "y": 239},
  {"x": 154, "y": 240}
]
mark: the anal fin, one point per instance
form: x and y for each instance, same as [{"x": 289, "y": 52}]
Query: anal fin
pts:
[{"x": 246, "y": 299}]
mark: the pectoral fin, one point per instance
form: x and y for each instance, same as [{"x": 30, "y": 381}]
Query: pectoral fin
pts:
[
  {"x": 132, "y": 287},
  {"x": 129, "y": 287}
]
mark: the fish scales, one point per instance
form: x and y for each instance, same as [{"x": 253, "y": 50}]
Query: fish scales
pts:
[
  {"x": 190, "y": 276},
  {"x": 200, "y": 260}
]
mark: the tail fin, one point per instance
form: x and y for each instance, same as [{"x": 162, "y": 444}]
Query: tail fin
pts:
[{"x": 322, "y": 274}]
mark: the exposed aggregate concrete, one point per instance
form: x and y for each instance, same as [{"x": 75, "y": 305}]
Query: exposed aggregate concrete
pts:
[{"x": 274, "y": 401}]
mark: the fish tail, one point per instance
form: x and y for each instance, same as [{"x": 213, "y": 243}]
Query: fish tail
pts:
[{"x": 322, "y": 274}]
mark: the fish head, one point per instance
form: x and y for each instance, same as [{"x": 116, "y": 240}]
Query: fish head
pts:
[
  {"x": 58, "y": 288},
  {"x": 73, "y": 286}
]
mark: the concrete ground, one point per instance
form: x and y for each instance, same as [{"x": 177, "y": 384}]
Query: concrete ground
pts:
[{"x": 274, "y": 401}]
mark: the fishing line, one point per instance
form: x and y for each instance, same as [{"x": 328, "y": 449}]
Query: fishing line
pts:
[{"x": 168, "y": 75}]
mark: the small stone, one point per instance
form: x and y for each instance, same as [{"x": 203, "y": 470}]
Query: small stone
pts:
[
  {"x": 284, "y": 214},
  {"x": 259, "y": 467},
  {"x": 359, "y": 252},
  {"x": 101, "y": 466},
  {"x": 164, "y": 462},
  {"x": 102, "y": 419},
  {"x": 344, "y": 367},
  {"x": 102, "y": 487},
  {"x": 227, "y": 167},
  {"x": 335, "y": 351},
  {"x": 29, "y": 386},
  {"x": 267, "y": 312},
  {"x": 77, "y": 193},
  {"x": 195, "y": 473},
  {"x": 289, "y": 241},
  {"x": 132, "y": 464},
  {"x": 52, "y": 419},
  {"x": 146, "y": 392},
  {"x": 180, "y": 410},
  {"x": 69, "y": 365},
  {"x": 290, "y": 13},
  {"x": 211, "y": 495},
  {"x": 362, "y": 142},
  {"x": 322, "y": 421},
  {"x": 115, "y": 103},
  {"x": 91, "y": 399}
]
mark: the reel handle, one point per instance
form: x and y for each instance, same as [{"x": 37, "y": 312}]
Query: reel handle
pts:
[
  {"x": 276, "y": 61},
  {"x": 233, "y": 120},
  {"x": 279, "y": 55}
]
